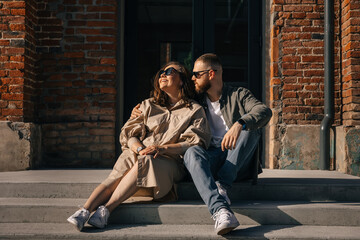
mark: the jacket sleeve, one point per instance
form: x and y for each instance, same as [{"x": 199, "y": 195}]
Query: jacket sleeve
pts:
[
  {"x": 257, "y": 113},
  {"x": 197, "y": 133},
  {"x": 133, "y": 128}
]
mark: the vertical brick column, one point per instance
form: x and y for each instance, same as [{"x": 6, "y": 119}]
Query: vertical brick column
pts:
[
  {"x": 12, "y": 49},
  {"x": 351, "y": 62},
  {"x": 348, "y": 135},
  {"x": 20, "y": 142}
]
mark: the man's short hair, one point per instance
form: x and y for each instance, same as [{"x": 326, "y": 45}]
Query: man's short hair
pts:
[{"x": 210, "y": 59}]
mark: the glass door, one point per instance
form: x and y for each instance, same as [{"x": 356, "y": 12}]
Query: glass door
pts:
[
  {"x": 232, "y": 30},
  {"x": 157, "y": 31}
]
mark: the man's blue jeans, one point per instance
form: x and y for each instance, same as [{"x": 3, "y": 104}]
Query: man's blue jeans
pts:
[{"x": 208, "y": 166}]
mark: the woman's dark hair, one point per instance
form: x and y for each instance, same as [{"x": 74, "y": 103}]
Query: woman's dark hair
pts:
[{"x": 187, "y": 91}]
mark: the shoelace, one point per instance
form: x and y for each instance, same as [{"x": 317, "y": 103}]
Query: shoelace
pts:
[
  {"x": 103, "y": 211},
  {"x": 220, "y": 216},
  {"x": 82, "y": 212}
]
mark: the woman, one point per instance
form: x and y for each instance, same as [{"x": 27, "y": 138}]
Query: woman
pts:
[{"x": 152, "y": 145}]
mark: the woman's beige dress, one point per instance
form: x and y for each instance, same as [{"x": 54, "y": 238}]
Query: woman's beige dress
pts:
[{"x": 159, "y": 125}]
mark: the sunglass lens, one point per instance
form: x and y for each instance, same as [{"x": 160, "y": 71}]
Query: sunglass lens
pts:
[{"x": 168, "y": 71}]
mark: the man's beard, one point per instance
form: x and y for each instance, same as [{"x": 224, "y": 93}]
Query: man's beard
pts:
[{"x": 201, "y": 89}]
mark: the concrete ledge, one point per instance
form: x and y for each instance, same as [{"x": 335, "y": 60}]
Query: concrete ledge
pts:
[
  {"x": 347, "y": 149},
  {"x": 285, "y": 185},
  {"x": 20, "y": 146},
  {"x": 22, "y": 210},
  {"x": 154, "y": 232}
]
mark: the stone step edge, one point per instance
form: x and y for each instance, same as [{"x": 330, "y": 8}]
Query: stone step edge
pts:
[
  {"x": 66, "y": 231},
  {"x": 247, "y": 212},
  {"x": 188, "y": 191}
]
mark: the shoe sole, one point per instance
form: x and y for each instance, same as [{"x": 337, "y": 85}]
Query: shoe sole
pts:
[
  {"x": 228, "y": 229},
  {"x": 94, "y": 224},
  {"x": 225, "y": 230},
  {"x": 75, "y": 225}
]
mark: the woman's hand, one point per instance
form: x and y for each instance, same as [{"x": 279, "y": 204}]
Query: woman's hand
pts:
[
  {"x": 152, "y": 150},
  {"x": 135, "y": 112}
]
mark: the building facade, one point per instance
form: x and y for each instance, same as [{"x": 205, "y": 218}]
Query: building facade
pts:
[{"x": 71, "y": 71}]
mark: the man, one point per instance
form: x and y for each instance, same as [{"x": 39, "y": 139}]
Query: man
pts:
[{"x": 235, "y": 117}]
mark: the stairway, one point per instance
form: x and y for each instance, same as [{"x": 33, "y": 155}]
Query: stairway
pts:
[{"x": 285, "y": 204}]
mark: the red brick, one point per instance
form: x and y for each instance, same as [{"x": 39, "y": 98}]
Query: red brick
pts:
[
  {"x": 291, "y": 59},
  {"x": 11, "y": 51},
  {"x": 4, "y": 42},
  {"x": 314, "y": 102},
  {"x": 12, "y": 112},
  {"x": 17, "y": 58},
  {"x": 14, "y": 4},
  {"x": 311, "y": 73},
  {"x": 74, "y": 54},
  {"x": 101, "y": 9},
  {"x": 16, "y": 89},
  {"x": 12, "y": 96},
  {"x": 101, "y": 24},
  {"x": 100, "y": 69},
  {"x": 290, "y": 73},
  {"x": 12, "y": 65},
  {"x": 292, "y": 87},
  {"x": 16, "y": 73},
  {"x": 297, "y": 8},
  {"x": 289, "y": 94},
  {"x": 18, "y": 12},
  {"x": 111, "y": 61},
  {"x": 100, "y": 39},
  {"x": 312, "y": 58},
  {"x": 17, "y": 27}
]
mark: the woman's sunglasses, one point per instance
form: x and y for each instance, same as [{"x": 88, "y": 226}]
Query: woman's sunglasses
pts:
[{"x": 168, "y": 71}]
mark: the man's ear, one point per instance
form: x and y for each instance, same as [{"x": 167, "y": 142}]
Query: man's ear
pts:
[{"x": 211, "y": 74}]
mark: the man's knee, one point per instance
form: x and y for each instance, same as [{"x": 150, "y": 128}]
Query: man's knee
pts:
[{"x": 193, "y": 156}]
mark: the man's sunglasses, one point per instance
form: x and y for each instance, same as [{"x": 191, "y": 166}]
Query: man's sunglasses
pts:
[
  {"x": 168, "y": 71},
  {"x": 198, "y": 73}
]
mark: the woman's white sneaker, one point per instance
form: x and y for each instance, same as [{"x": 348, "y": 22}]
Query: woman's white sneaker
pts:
[
  {"x": 79, "y": 218},
  {"x": 100, "y": 217}
]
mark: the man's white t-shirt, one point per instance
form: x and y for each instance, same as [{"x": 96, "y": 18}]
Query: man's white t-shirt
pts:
[{"x": 216, "y": 121}]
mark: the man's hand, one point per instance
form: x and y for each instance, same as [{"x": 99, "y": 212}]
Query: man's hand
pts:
[
  {"x": 152, "y": 150},
  {"x": 230, "y": 138},
  {"x": 135, "y": 112}
]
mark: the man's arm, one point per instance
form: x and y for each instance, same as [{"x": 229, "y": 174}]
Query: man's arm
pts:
[
  {"x": 136, "y": 112},
  {"x": 230, "y": 138}
]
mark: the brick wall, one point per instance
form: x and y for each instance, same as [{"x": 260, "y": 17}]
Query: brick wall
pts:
[
  {"x": 76, "y": 48},
  {"x": 350, "y": 37},
  {"x": 297, "y": 73},
  {"x": 58, "y": 70},
  {"x": 12, "y": 61},
  {"x": 298, "y": 61}
]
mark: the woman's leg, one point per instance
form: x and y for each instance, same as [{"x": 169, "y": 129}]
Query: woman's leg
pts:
[
  {"x": 125, "y": 189},
  {"x": 100, "y": 195}
]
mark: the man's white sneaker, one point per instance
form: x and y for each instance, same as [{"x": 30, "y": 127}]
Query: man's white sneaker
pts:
[
  {"x": 222, "y": 191},
  {"x": 79, "y": 218},
  {"x": 100, "y": 217},
  {"x": 225, "y": 221}
]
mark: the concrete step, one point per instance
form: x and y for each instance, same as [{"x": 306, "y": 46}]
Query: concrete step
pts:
[
  {"x": 282, "y": 185},
  {"x": 154, "y": 232},
  {"x": 33, "y": 210}
]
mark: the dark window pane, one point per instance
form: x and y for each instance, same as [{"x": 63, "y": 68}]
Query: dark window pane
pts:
[{"x": 231, "y": 39}]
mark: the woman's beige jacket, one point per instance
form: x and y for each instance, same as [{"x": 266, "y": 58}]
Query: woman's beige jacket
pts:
[{"x": 159, "y": 125}]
